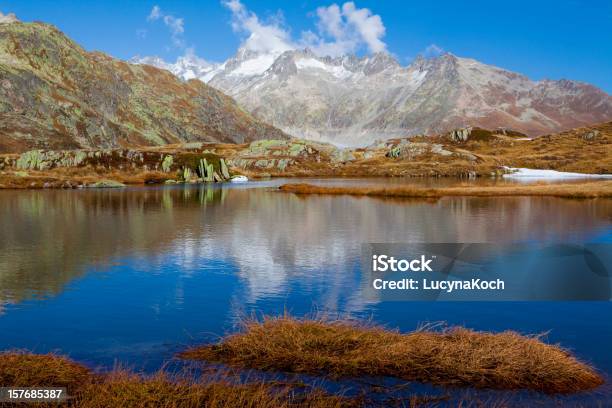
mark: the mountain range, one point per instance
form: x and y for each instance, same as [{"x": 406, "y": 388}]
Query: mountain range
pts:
[
  {"x": 351, "y": 100},
  {"x": 56, "y": 95}
]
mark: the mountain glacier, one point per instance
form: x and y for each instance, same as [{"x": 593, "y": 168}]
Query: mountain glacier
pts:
[{"x": 353, "y": 101}]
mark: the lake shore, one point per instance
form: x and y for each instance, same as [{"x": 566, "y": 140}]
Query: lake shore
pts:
[
  {"x": 485, "y": 154},
  {"x": 585, "y": 189}
]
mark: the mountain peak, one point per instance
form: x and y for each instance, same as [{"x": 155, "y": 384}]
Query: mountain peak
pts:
[{"x": 379, "y": 62}]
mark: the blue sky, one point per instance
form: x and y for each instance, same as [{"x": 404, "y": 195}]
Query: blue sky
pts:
[{"x": 542, "y": 39}]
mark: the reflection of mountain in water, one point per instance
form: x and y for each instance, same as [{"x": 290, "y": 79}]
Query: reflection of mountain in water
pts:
[{"x": 51, "y": 237}]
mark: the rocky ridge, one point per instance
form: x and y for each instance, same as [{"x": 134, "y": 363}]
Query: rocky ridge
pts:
[{"x": 355, "y": 101}]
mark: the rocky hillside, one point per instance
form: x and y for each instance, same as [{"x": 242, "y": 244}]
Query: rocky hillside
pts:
[
  {"x": 355, "y": 101},
  {"x": 56, "y": 95},
  {"x": 466, "y": 153}
]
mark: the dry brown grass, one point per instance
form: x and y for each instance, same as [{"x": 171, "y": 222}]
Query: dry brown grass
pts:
[
  {"x": 65, "y": 177},
  {"x": 121, "y": 388},
  {"x": 591, "y": 189},
  {"x": 456, "y": 357},
  {"x": 21, "y": 369},
  {"x": 565, "y": 151}
]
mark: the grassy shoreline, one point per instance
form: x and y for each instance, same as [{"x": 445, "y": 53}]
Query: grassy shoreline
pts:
[
  {"x": 123, "y": 388},
  {"x": 589, "y": 189},
  {"x": 454, "y": 357}
]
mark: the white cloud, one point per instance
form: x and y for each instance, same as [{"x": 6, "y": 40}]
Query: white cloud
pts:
[
  {"x": 270, "y": 37},
  {"x": 155, "y": 14},
  {"x": 7, "y": 18},
  {"x": 176, "y": 25},
  {"x": 346, "y": 29},
  {"x": 370, "y": 27},
  {"x": 340, "y": 30},
  {"x": 330, "y": 21}
]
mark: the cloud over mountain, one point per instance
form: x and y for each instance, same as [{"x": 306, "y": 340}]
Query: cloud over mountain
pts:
[
  {"x": 176, "y": 25},
  {"x": 261, "y": 36},
  {"x": 339, "y": 30}
]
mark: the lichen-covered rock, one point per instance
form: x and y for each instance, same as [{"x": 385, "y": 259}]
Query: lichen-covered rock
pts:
[
  {"x": 342, "y": 156},
  {"x": 410, "y": 150},
  {"x": 282, "y": 164},
  {"x": 45, "y": 160},
  {"x": 439, "y": 149},
  {"x": 470, "y": 133},
  {"x": 210, "y": 173},
  {"x": 460, "y": 135},
  {"x": 394, "y": 152},
  {"x": 467, "y": 155},
  {"x": 292, "y": 148},
  {"x": 264, "y": 147},
  {"x": 591, "y": 135},
  {"x": 106, "y": 184},
  {"x": 224, "y": 170},
  {"x": 29, "y": 160},
  {"x": 262, "y": 163},
  {"x": 368, "y": 154},
  {"x": 187, "y": 174},
  {"x": 167, "y": 163}
]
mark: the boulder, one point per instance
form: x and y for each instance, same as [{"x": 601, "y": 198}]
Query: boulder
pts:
[
  {"x": 224, "y": 170},
  {"x": 210, "y": 172},
  {"x": 105, "y": 184},
  {"x": 342, "y": 156},
  {"x": 591, "y": 135},
  {"x": 187, "y": 174},
  {"x": 394, "y": 152},
  {"x": 167, "y": 163},
  {"x": 460, "y": 135}
]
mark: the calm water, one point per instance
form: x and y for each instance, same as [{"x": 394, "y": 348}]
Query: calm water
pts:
[{"x": 134, "y": 275}]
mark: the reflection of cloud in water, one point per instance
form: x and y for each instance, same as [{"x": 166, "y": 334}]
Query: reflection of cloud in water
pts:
[{"x": 271, "y": 240}]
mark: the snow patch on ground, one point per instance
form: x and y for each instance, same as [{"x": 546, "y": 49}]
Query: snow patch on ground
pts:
[{"x": 535, "y": 174}]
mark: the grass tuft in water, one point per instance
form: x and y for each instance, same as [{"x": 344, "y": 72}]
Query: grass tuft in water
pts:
[{"x": 450, "y": 357}]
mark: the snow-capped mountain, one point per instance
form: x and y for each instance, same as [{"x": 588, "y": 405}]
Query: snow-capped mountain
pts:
[
  {"x": 354, "y": 101},
  {"x": 186, "y": 67}
]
